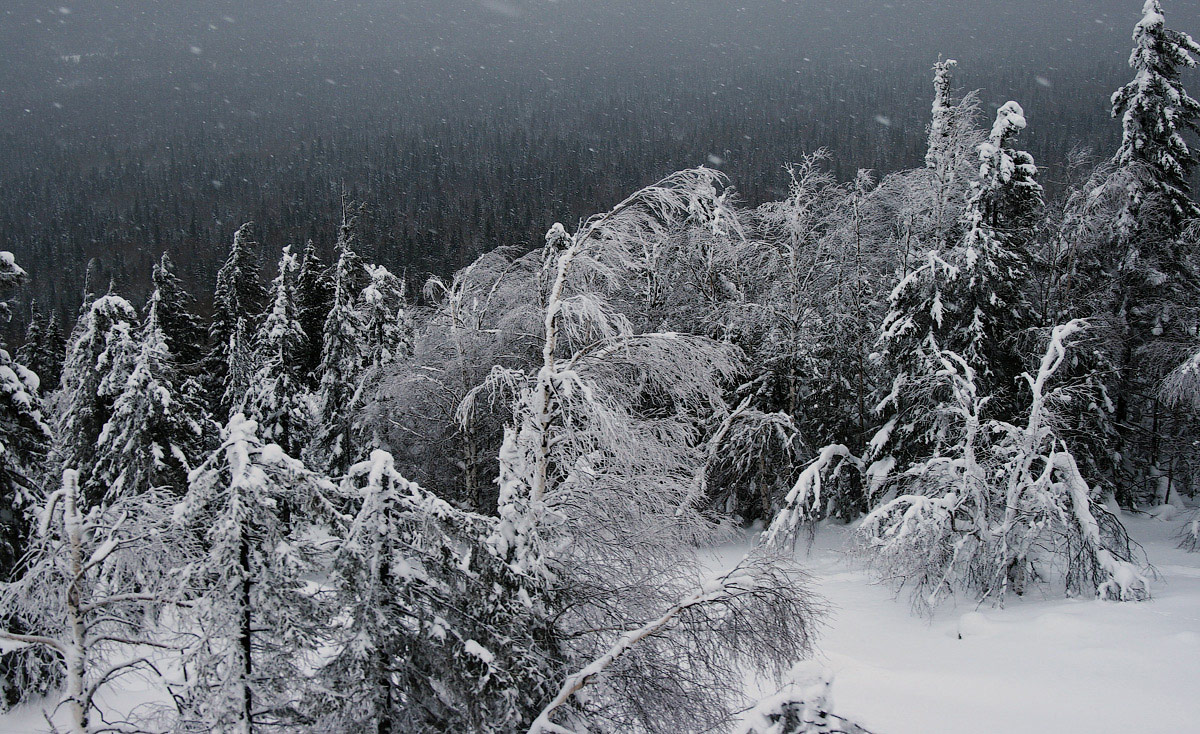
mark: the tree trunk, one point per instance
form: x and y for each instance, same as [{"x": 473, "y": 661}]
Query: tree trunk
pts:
[
  {"x": 76, "y": 652},
  {"x": 245, "y": 640}
]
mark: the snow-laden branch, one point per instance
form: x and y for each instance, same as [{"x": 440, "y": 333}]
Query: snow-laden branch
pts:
[{"x": 718, "y": 590}]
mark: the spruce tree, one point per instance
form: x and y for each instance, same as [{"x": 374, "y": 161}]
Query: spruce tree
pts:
[
  {"x": 156, "y": 431},
  {"x": 1144, "y": 273},
  {"x": 1155, "y": 112},
  {"x": 24, "y": 441},
  {"x": 181, "y": 327},
  {"x": 99, "y": 361},
  {"x": 948, "y": 159},
  {"x": 277, "y": 400},
  {"x": 257, "y": 619},
  {"x": 240, "y": 366},
  {"x": 968, "y": 300},
  {"x": 386, "y": 319},
  {"x": 28, "y": 352},
  {"x": 314, "y": 299},
  {"x": 342, "y": 359},
  {"x": 239, "y": 296},
  {"x": 50, "y": 353},
  {"x": 1000, "y": 222}
]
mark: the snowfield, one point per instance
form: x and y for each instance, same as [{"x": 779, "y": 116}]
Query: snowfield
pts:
[{"x": 1041, "y": 664}]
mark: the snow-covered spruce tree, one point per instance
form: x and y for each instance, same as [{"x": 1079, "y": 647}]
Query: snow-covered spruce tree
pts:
[
  {"x": 24, "y": 440},
  {"x": 242, "y": 365},
  {"x": 1144, "y": 269},
  {"x": 598, "y": 501},
  {"x": 1001, "y": 506},
  {"x": 941, "y": 189},
  {"x": 156, "y": 432},
  {"x": 27, "y": 353},
  {"x": 239, "y": 297},
  {"x": 342, "y": 357},
  {"x": 43, "y": 349},
  {"x": 98, "y": 364},
  {"x": 969, "y": 300},
  {"x": 1156, "y": 111},
  {"x": 992, "y": 288},
  {"x": 386, "y": 319},
  {"x": 184, "y": 334},
  {"x": 429, "y": 634},
  {"x": 277, "y": 400},
  {"x": 93, "y": 582},
  {"x": 256, "y": 619},
  {"x": 314, "y": 299}
]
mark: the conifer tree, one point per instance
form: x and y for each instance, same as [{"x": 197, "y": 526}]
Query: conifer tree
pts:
[
  {"x": 240, "y": 366},
  {"x": 968, "y": 300},
  {"x": 245, "y": 672},
  {"x": 177, "y": 315},
  {"x": 1000, "y": 219},
  {"x": 1143, "y": 272},
  {"x": 386, "y": 319},
  {"x": 98, "y": 365},
  {"x": 156, "y": 431},
  {"x": 50, "y": 353},
  {"x": 342, "y": 358},
  {"x": 435, "y": 637},
  {"x": 1156, "y": 111},
  {"x": 277, "y": 399},
  {"x": 29, "y": 350},
  {"x": 314, "y": 299},
  {"x": 948, "y": 160},
  {"x": 24, "y": 440},
  {"x": 239, "y": 296}
]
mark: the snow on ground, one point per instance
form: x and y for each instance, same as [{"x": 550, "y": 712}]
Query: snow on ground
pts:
[{"x": 1041, "y": 664}]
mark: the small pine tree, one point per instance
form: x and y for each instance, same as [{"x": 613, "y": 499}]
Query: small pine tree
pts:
[
  {"x": 250, "y": 602},
  {"x": 314, "y": 299},
  {"x": 156, "y": 431},
  {"x": 98, "y": 365},
  {"x": 239, "y": 296},
  {"x": 277, "y": 400}
]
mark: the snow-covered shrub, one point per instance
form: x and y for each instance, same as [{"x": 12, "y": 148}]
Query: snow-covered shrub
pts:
[
  {"x": 1002, "y": 506},
  {"x": 803, "y": 705}
]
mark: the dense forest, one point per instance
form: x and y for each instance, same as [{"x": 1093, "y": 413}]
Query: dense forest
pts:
[
  {"x": 337, "y": 493},
  {"x": 115, "y": 148}
]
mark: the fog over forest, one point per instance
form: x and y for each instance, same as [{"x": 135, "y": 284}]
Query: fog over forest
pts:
[{"x": 187, "y": 119}]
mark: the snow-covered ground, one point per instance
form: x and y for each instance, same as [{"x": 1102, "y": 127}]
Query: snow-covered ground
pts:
[{"x": 1041, "y": 664}]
